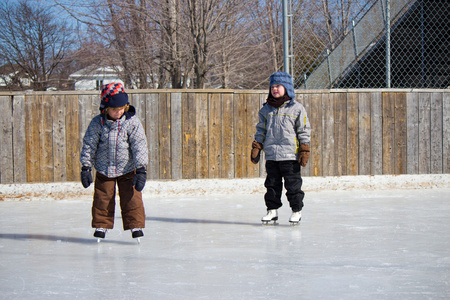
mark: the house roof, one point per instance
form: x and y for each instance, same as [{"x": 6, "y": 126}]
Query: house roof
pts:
[
  {"x": 10, "y": 70},
  {"x": 96, "y": 72}
]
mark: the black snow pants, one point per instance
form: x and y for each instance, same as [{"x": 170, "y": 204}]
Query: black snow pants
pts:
[{"x": 290, "y": 171}]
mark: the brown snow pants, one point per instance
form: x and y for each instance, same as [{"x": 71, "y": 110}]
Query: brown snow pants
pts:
[{"x": 131, "y": 205}]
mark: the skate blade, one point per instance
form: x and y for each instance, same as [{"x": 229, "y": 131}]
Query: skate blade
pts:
[
  {"x": 269, "y": 223},
  {"x": 294, "y": 223},
  {"x": 138, "y": 240}
]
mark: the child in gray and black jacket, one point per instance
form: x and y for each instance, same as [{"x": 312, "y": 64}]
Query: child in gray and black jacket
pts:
[
  {"x": 116, "y": 145},
  {"x": 283, "y": 133}
]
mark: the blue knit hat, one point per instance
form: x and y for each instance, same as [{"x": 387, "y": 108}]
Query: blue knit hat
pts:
[{"x": 285, "y": 80}]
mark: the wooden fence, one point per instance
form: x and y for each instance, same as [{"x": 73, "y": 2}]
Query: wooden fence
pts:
[{"x": 208, "y": 133}]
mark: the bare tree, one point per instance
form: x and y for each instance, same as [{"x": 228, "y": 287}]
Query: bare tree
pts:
[
  {"x": 238, "y": 53},
  {"x": 117, "y": 22},
  {"x": 203, "y": 19},
  {"x": 174, "y": 44},
  {"x": 32, "y": 40},
  {"x": 172, "y": 56},
  {"x": 207, "y": 43}
]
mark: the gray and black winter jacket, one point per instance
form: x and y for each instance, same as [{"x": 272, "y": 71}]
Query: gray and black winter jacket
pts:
[
  {"x": 115, "y": 148},
  {"x": 281, "y": 130}
]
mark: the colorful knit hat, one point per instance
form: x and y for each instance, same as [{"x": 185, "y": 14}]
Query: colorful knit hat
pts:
[
  {"x": 113, "y": 95},
  {"x": 285, "y": 80}
]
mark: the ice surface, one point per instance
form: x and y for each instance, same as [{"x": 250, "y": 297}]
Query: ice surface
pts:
[{"x": 351, "y": 244}]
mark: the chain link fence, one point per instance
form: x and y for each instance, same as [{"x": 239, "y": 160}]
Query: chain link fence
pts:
[{"x": 417, "y": 54}]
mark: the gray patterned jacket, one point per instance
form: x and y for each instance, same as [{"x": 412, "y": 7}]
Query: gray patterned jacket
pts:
[
  {"x": 115, "y": 148},
  {"x": 282, "y": 129}
]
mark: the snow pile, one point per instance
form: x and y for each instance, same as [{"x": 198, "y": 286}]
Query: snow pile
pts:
[{"x": 193, "y": 187}]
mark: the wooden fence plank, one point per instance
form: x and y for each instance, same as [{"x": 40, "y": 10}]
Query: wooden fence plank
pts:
[
  {"x": 340, "y": 131},
  {"x": 88, "y": 111},
  {"x": 424, "y": 133},
  {"x": 214, "y": 129},
  {"x": 400, "y": 134},
  {"x": 364, "y": 134},
  {"x": 138, "y": 101},
  {"x": 85, "y": 115},
  {"x": 202, "y": 135},
  {"x": 59, "y": 138},
  {"x": 412, "y": 133},
  {"x": 376, "y": 132},
  {"x": 227, "y": 154},
  {"x": 46, "y": 141},
  {"x": 305, "y": 100},
  {"x": 240, "y": 135},
  {"x": 28, "y": 106},
  {"x": 446, "y": 133},
  {"x": 328, "y": 154},
  {"x": 388, "y": 100},
  {"x": 165, "y": 153},
  {"x": 73, "y": 146},
  {"x": 32, "y": 124},
  {"x": 436, "y": 133},
  {"x": 253, "y": 104},
  {"x": 176, "y": 138},
  {"x": 352, "y": 134},
  {"x": 152, "y": 132},
  {"x": 315, "y": 120},
  {"x": 6, "y": 141},
  {"x": 189, "y": 136},
  {"x": 92, "y": 104},
  {"x": 19, "y": 139}
]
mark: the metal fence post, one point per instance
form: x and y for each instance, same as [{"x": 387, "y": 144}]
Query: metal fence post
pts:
[
  {"x": 388, "y": 44},
  {"x": 329, "y": 68},
  {"x": 355, "y": 49},
  {"x": 285, "y": 37}
]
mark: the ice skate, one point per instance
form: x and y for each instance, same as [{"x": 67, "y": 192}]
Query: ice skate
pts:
[
  {"x": 100, "y": 234},
  {"x": 272, "y": 215},
  {"x": 137, "y": 233},
  {"x": 295, "y": 217}
]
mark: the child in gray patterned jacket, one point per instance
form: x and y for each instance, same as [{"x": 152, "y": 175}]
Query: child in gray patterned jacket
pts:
[
  {"x": 116, "y": 146},
  {"x": 283, "y": 133}
]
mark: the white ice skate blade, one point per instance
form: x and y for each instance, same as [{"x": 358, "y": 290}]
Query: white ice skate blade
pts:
[
  {"x": 138, "y": 240},
  {"x": 271, "y": 222},
  {"x": 294, "y": 223}
]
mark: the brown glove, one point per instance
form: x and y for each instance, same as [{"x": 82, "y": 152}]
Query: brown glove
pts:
[
  {"x": 256, "y": 152},
  {"x": 303, "y": 156}
]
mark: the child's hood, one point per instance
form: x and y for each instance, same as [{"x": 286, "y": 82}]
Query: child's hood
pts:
[
  {"x": 285, "y": 80},
  {"x": 131, "y": 112}
]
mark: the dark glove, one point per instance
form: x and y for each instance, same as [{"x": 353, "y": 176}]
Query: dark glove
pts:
[
  {"x": 256, "y": 152},
  {"x": 303, "y": 156},
  {"x": 86, "y": 176},
  {"x": 139, "y": 179}
]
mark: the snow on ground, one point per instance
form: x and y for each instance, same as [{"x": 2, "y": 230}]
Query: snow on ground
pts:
[{"x": 193, "y": 187}]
